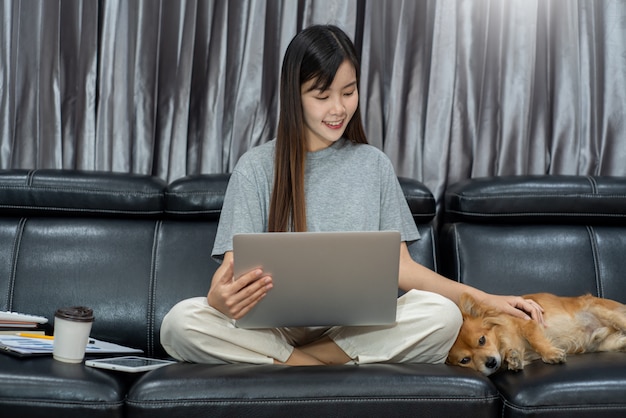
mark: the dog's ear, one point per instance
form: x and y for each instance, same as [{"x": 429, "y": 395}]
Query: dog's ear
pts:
[
  {"x": 493, "y": 320},
  {"x": 473, "y": 308},
  {"x": 470, "y": 306}
]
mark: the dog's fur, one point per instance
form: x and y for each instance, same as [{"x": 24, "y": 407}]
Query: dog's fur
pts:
[{"x": 489, "y": 339}]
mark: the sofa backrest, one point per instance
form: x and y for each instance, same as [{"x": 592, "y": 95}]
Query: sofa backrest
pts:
[
  {"x": 526, "y": 234},
  {"x": 128, "y": 246}
]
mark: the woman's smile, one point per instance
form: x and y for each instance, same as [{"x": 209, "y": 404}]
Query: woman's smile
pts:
[{"x": 334, "y": 125}]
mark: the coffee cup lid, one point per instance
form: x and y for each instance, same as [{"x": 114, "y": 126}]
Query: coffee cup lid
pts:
[{"x": 75, "y": 313}]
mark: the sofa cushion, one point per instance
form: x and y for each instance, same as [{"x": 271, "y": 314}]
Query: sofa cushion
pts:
[
  {"x": 420, "y": 200},
  {"x": 588, "y": 385},
  {"x": 517, "y": 199},
  {"x": 106, "y": 264},
  {"x": 568, "y": 260},
  {"x": 197, "y": 196},
  {"x": 371, "y": 390},
  {"x": 527, "y": 234},
  {"x": 43, "y": 387},
  {"x": 79, "y": 193},
  {"x": 183, "y": 268}
]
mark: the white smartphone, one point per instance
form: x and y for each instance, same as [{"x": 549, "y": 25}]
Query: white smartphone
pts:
[{"x": 131, "y": 364}]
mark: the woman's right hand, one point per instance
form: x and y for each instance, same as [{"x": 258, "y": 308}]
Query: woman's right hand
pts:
[{"x": 235, "y": 298}]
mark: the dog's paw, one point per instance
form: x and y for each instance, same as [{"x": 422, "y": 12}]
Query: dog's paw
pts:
[
  {"x": 514, "y": 360},
  {"x": 555, "y": 356},
  {"x": 621, "y": 344}
]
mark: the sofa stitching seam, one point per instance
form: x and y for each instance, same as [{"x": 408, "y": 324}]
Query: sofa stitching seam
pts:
[
  {"x": 192, "y": 211},
  {"x": 456, "y": 253},
  {"x": 152, "y": 288},
  {"x": 546, "y": 408},
  {"x": 544, "y": 213},
  {"x": 84, "y": 210},
  {"x": 193, "y": 193},
  {"x": 30, "y": 177},
  {"x": 84, "y": 190},
  {"x": 594, "y": 194},
  {"x": 17, "y": 241},
  {"x": 433, "y": 248},
  {"x": 593, "y": 184},
  {"x": 595, "y": 256},
  {"x": 355, "y": 399}
]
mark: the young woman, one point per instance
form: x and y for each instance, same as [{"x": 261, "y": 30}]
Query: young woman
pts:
[{"x": 319, "y": 174}]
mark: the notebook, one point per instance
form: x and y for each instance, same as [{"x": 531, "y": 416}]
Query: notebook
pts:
[{"x": 322, "y": 278}]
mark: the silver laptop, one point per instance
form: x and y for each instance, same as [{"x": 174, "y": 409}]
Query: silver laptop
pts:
[{"x": 322, "y": 278}]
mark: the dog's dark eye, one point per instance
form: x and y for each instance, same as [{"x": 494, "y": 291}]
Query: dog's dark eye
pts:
[
  {"x": 465, "y": 360},
  {"x": 482, "y": 341}
]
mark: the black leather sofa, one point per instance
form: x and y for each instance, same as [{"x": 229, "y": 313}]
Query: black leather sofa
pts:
[{"x": 132, "y": 246}]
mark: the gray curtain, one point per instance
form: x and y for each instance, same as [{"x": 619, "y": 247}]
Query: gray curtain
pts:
[{"x": 451, "y": 89}]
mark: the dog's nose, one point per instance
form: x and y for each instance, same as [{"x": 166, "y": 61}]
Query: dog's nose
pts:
[{"x": 491, "y": 363}]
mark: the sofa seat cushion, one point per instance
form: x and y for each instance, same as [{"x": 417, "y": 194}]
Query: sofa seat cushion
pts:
[
  {"x": 587, "y": 385},
  {"x": 44, "y": 387},
  {"x": 387, "y": 390}
]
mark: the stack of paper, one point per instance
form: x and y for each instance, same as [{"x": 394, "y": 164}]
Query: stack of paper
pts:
[
  {"x": 13, "y": 322},
  {"x": 32, "y": 346}
]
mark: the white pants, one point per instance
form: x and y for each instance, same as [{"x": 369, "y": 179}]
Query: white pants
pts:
[{"x": 426, "y": 326}]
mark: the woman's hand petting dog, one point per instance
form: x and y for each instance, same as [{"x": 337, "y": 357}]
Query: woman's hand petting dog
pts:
[{"x": 517, "y": 306}]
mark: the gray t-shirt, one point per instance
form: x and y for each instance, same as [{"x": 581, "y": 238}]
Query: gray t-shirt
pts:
[{"x": 348, "y": 187}]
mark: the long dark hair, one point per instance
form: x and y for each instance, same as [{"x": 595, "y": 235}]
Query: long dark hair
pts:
[{"x": 314, "y": 54}]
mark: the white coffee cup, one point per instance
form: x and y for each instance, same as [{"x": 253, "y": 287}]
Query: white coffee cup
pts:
[{"x": 72, "y": 327}]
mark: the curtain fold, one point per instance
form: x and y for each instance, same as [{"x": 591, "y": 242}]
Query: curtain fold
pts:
[{"x": 450, "y": 89}]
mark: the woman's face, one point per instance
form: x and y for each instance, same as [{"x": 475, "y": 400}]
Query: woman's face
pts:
[{"x": 327, "y": 113}]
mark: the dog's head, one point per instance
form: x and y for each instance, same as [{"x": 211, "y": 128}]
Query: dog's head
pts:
[{"x": 477, "y": 344}]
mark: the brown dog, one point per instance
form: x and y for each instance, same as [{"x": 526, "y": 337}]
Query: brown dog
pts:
[{"x": 489, "y": 339}]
